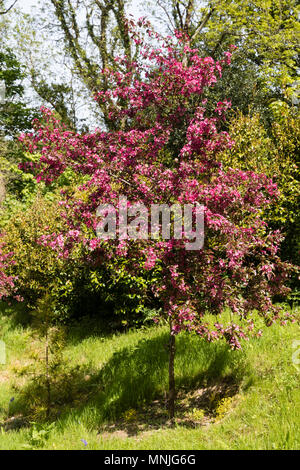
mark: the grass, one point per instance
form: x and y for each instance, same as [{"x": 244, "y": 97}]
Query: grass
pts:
[{"x": 112, "y": 391}]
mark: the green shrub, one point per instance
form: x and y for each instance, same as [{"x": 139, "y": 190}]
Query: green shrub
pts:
[
  {"x": 76, "y": 289},
  {"x": 274, "y": 152}
]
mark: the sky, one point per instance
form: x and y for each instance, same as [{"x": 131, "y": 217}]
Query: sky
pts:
[{"x": 26, "y": 5}]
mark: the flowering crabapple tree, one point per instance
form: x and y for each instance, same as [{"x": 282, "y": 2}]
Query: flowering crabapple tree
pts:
[{"x": 166, "y": 152}]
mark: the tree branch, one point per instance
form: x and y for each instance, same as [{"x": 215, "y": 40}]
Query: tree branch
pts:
[
  {"x": 8, "y": 9},
  {"x": 188, "y": 17},
  {"x": 202, "y": 24}
]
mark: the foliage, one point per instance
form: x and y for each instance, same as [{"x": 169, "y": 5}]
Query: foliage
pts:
[
  {"x": 76, "y": 289},
  {"x": 51, "y": 361},
  {"x": 286, "y": 135},
  {"x": 264, "y": 31},
  {"x": 111, "y": 288},
  {"x": 274, "y": 152},
  {"x": 39, "y": 434},
  {"x": 15, "y": 115},
  {"x": 36, "y": 267}
]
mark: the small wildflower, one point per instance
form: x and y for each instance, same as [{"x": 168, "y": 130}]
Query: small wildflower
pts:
[{"x": 223, "y": 407}]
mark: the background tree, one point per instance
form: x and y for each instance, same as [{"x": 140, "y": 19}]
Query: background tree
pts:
[
  {"x": 266, "y": 35},
  {"x": 274, "y": 152},
  {"x": 50, "y": 79},
  {"x": 15, "y": 115},
  {"x": 95, "y": 33},
  {"x": 80, "y": 38}
]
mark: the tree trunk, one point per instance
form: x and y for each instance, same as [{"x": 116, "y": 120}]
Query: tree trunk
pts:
[
  {"x": 48, "y": 378},
  {"x": 172, "y": 393}
]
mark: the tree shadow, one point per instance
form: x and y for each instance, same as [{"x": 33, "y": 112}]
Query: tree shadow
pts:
[
  {"x": 130, "y": 391},
  {"x": 16, "y": 312}
]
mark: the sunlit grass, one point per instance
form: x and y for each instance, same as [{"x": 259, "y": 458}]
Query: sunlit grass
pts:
[{"x": 128, "y": 371}]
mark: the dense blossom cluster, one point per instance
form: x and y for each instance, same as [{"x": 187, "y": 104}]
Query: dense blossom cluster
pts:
[{"x": 164, "y": 150}]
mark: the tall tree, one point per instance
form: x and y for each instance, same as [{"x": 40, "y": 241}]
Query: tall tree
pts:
[
  {"x": 15, "y": 114},
  {"x": 87, "y": 35},
  {"x": 95, "y": 32}
]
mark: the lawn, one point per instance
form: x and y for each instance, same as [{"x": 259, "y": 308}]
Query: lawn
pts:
[{"x": 109, "y": 391}]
